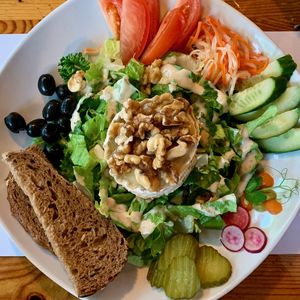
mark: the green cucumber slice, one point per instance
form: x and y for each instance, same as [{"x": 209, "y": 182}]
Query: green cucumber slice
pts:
[
  {"x": 287, "y": 101},
  {"x": 276, "y": 125},
  {"x": 257, "y": 95},
  {"x": 288, "y": 141},
  {"x": 283, "y": 66}
]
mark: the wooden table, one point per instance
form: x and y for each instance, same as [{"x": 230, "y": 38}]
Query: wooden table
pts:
[{"x": 278, "y": 278}]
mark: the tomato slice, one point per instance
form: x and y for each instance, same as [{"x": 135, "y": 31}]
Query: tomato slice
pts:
[
  {"x": 135, "y": 22},
  {"x": 166, "y": 36},
  {"x": 154, "y": 11},
  {"x": 112, "y": 14},
  {"x": 192, "y": 12}
]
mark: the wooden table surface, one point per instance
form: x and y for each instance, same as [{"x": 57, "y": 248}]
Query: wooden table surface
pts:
[{"x": 278, "y": 278}]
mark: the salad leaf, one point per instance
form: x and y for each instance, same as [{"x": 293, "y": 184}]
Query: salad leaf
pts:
[
  {"x": 142, "y": 251},
  {"x": 94, "y": 130},
  {"x": 94, "y": 74},
  {"x": 154, "y": 217},
  {"x": 214, "y": 223},
  {"x": 110, "y": 49},
  {"x": 79, "y": 153},
  {"x": 108, "y": 59},
  {"x": 69, "y": 64},
  {"x": 256, "y": 197},
  {"x": 135, "y": 70}
]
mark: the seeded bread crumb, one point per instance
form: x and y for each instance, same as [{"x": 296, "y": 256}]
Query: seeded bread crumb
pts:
[{"x": 90, "y": 246}]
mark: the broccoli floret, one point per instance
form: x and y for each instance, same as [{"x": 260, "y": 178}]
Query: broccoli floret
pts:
[{"x": 69, "y": 64}]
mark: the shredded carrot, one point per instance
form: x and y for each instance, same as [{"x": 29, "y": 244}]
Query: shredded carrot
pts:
[
  {"x": 91, "y": 51},
  {"x": 230, "y": 57}
]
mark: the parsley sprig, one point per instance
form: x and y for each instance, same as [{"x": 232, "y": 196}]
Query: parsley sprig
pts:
[{"x": 69, "y": 64}]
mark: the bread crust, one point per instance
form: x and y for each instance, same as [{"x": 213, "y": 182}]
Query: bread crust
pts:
[
  {"x": 22, "y": 210},
  {"x": 90, "y": 246}
]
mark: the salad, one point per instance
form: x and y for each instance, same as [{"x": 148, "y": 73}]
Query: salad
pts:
[{"x": 240, "y": 102}]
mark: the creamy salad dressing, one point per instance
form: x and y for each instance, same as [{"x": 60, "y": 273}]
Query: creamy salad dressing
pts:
[
  {"x": 119, "y": 213},
  {"x": 171, "y": 73},
  {"x": 76, "y": 116}
]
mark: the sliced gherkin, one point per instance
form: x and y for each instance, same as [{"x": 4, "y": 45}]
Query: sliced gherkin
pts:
[
  {"x": 181, "y": 279},
  {"x": 178, "y": 245},
  {"x": 213, "y": 268}
]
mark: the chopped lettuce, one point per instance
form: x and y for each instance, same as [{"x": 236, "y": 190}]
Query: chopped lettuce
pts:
[
  {"x": 108, "y": 59},
  {"x": 134, "y": 70}
]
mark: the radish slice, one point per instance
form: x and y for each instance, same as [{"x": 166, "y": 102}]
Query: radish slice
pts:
[
  {"x": 255, "y": 240},
  {"x": 240, "y": 218},
  {"x": 232, "y": 238}
]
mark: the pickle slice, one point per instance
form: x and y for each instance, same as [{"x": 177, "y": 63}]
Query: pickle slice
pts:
[
  {"x": 155, "y": 276},
  {"x": 181, "y": 279},
  {"x": 213, "y": 268},
  {"x": 178, "y": 245}
]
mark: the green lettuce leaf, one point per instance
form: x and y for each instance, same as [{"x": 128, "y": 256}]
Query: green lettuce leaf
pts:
[
  {"x": 134, "y": 70},
  {"x": 79, "y": 152}
]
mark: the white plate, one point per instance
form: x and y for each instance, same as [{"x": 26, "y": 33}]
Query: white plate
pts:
[{"x": 73, "y": 26}]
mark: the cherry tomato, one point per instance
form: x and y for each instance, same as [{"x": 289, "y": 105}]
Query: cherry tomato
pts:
[
  {"x": 112, "y": 13},
  {"x": 245, "y": 203},
  {"x": 267, "y": 180},
  {"x": 192, "y": 11},
  {"x": 135, "y": 26},
  {"x": 166, "y": 36}
]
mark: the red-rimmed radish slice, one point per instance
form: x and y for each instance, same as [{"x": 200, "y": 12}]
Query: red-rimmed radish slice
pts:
[
  {"x": 232, "y": 238},
  {"x": 240, "y": 218},
  {"x": 255, "y": 240}
]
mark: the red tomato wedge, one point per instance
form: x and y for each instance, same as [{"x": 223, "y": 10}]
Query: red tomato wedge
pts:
[
  {"x": 112, "y": 14},
  {"x": 166, "y": 36},
  {"x": 192, "y": 12},
  {"x": 135, "y": 27},
  {"x": 154, "y": 11}
]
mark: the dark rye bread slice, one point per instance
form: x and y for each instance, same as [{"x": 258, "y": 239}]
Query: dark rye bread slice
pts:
[
  {"x": 22, "y": 210},
  {"x": 90, "y": 246}
]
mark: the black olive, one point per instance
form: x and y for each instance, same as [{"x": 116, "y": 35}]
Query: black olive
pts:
[
  {"x": 67, "y": 106},
  {"x": 50, "y": 132},
  {"x": 46, "y": 85},
  {"x": 34, "y": 128},
  {"x": 64, "y": 125},
  {"x": 15, "y": 122},
  {"x": 51, "y": 110},
  {"x": 54, "y": 153},
  {"x": 62, "y": 91}
]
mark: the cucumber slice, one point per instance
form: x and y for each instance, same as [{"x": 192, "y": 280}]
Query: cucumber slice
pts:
[
  {"x": 178, "y": 245},
  {"x": 181, "y": 279},
  {"x": 283, "y": 66},
  {"x": 257, "y": 95},
  {"x": 277, "y": 125},
  {"x": 266, "y": 116},
  {"x": 288, "y": 141},
  {"x": 213, "y": 268},
  {"x": 287, "y": 101}
]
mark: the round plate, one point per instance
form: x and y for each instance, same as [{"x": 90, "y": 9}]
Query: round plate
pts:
[{"x": 73, "y": 26}]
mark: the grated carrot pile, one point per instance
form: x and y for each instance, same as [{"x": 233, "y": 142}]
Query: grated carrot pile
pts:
[{"x": 224, "y": 56}]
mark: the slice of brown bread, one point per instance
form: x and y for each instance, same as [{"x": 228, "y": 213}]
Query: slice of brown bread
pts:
[
  {"x": 22, "y": 210},
  {"x": 90, "y": 246}
]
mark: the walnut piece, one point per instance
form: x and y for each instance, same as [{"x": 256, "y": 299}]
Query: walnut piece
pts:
[{"x": 151, "y": 143}]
